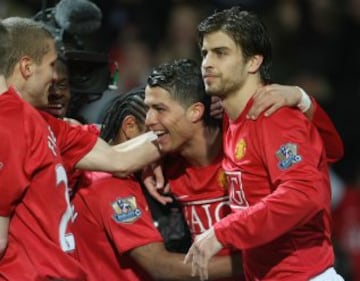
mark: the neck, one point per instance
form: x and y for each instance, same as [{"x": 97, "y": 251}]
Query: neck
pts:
[
  {"x": 235, "y": 102},
  {"x": 204, "y": 147},
  {"x": 18, "y": 83},
  {"x": 3, "y": 85}
]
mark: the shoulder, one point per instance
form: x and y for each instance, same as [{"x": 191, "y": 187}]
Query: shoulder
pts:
[
  {"x": 11, "y": 104},
  {"x": 105, "y": 186},
  {"x": 283, "y": 117}
]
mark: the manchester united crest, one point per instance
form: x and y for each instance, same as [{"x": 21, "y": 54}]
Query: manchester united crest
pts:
[
  {"x": 221, "y": 179},
  {"x": 240, "y": 149}
]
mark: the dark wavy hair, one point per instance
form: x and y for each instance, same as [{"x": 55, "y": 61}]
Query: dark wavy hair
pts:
[{"x": 247, "y": 31}]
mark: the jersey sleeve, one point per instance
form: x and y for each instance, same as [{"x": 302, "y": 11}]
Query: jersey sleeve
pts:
[
  {"x": 332, "y": 141},
  {"x": 127, "y": 219},
  {"x": 293, "y": 158},
  {"x": 13, "y": 179},
  {"x": 74, "y": 142}
]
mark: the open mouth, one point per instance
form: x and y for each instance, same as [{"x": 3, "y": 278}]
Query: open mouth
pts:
[
  {"x": 56, "y": 109},
  {"x": 160, "y": 134}
]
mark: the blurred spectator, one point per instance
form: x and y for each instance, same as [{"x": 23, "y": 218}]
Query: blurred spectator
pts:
[
  {"x": 134, "y": 60},
  {"x": 346, "y": 231},
  {"x": 181, "y": 36}
]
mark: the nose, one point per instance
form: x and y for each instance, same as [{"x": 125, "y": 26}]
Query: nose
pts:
[
  {"x": 54, "y": 90},
  {"x": 150, "y": 119},
  {"x": 206, "y": 62},
  {"x": 55, "y": 75}
]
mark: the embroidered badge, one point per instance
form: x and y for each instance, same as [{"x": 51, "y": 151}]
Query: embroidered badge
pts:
[
  {"x": 126, "y": 210},
  {"x": 221, "y": 179},
  {"x": 288, "y": 155},
  {"x": 240, "y": 149}
]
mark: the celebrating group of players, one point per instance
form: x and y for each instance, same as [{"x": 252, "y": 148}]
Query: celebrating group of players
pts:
[{"x": 253, "y": 187}]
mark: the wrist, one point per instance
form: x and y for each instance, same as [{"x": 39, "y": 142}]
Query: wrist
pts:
[{"x": 305, "y": 101}]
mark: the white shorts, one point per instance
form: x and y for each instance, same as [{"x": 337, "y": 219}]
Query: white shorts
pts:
[{"x": 328, "y": 275}]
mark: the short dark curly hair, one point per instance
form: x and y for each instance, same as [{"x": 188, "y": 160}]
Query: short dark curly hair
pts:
[{"x": 183, "y": 80}]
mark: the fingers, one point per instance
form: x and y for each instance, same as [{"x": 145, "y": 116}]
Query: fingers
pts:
[
  {"x": 267, "y": 100},
  {"x": 159, "y": 176},
  {"x": 193, "y": 257},
  {"x": 150, "y": 185},
  {"x": 260, "y": 103},
  {"x": 216, "y": 108},
  {"x": 166, "y": 189},
  {"x": 199, "y": 261},
  {"x": 203, "y": 267}
]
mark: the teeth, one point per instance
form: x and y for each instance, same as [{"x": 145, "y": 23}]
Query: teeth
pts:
[
  {"x": 56, "y": 105},
  {"x": 159, "y": 133}
]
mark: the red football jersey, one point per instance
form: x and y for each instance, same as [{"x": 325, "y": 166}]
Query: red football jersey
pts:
[
  {"x": 112, "y": 218},
  {"x": 34, "y": 191},
  {"x": 346, "y": 228},
  {"x": 201, "y": 192},
  {"x": 279, "y": 190},
  {"x": 333, "y": 144}
]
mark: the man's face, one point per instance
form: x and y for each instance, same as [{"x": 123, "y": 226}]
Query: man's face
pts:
[
  {"x": 59, "y": 92},
  {"x": 168, "y": 119},
  {"x": 42, "y": 76},
  {"x": 223, "y": 67}
]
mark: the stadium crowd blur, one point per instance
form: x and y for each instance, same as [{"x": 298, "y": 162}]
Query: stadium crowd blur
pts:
[{"x": 315, "y": 45}]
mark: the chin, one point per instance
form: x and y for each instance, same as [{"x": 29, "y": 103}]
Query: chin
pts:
[{"x": 212, "y": 92}]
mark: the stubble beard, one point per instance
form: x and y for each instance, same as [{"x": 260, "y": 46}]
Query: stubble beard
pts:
[{"x": 213, "y": 90}]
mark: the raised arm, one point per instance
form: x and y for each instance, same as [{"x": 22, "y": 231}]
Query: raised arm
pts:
[
  {"x": 124, "y": 158},
  {"x": 270, "y": 98}
]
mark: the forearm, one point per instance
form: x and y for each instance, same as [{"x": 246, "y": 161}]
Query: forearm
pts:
[
  {"x": 139, "y": 151},
  {"x": 172, "y": 268},
  {"x": 268, "y": 219},
  {"x": 163, "y": 265},
  {"x": 121, "y": 159}
]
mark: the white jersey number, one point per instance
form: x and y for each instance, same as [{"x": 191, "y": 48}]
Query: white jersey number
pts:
[{"x": 67, "y": 241}]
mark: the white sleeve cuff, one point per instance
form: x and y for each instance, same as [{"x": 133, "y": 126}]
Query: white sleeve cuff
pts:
[{"x": 305, "y": 101}]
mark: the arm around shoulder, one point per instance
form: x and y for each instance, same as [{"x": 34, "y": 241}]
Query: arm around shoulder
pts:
[{"x": 124, "y": 158}]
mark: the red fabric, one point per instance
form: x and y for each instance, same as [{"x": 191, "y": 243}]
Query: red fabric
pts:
[
  {"x": 280, "y": 196},
  {"x": 333, "y": 144},
  {"x": 346, "y": 218},
  {"x": 202, "y": 193},
  {"x": 34, "y": 180},
  {"x": 104, "y": 234}
]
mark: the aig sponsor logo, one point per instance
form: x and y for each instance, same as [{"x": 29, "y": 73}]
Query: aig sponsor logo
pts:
[{"x": 202, "y": 214}]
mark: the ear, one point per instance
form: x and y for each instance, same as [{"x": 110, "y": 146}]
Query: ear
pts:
[
  {"x": 254, "y": 63},
  {"x": 26, "y": 66},
  {"x": 195, "y": 112},
  {"x": 128, "y": 124},
  {"x": 128, "y": 129}
]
